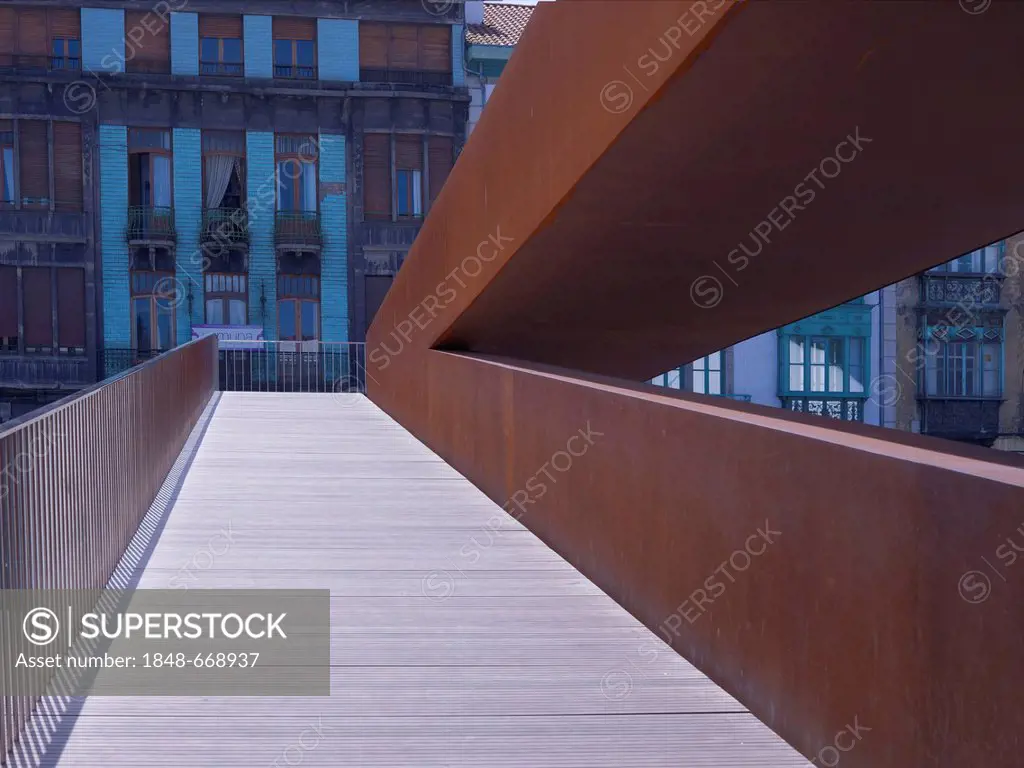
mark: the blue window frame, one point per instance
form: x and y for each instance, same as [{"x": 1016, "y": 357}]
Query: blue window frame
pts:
[
  {"x": 981, "y": 261},
  {"x": 707, "y": 374}
]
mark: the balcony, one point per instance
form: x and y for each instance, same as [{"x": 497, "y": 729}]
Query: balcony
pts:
[
  {"x": 298, "y": 230},
  {"x": 45, "y": 372},
  {"x": 221, "y": 68},
  {"x": 225, "y": 227},
  {"x": 148, "y": 225},
  {"x": 948, "y": 289},
  {"x": 840, "y": 408},
  {"x": 404, "y": 77},
  {"x": 294, "y": 72},
  {"x": 970, "y": 419}
]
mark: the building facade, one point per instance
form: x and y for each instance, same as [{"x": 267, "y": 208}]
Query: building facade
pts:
[
  {"x": 832, "y": 364},
  {"x": 492, "y": 32},
  {"x": 176, "y": 168},
  {"x": 960, "y": 351}
]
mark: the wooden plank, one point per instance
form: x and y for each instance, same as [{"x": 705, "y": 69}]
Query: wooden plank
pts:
[{"x": 512, "y": 668}]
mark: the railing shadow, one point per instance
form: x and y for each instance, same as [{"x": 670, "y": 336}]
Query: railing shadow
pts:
[{"x": 46, "y": 735}]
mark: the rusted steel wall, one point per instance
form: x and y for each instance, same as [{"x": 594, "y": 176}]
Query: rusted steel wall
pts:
[
  {"x": 77, "y": 479},
  {"x": 839, "y": 585},
  {"x": 653, "y": 181}
]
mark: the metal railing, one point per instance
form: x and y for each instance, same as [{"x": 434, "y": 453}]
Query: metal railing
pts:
[
  {"x": 232, "y": 69},
  {"x": 290, "y": 366},
  {"x": 225, "y": 226},
  {"x": 151, "y": 223},
  {"x": 77, "y": 478},
  {"x": 294, "y": 72},
  {"x": 405, "y": 77},
  {"x": 298, "y": 228}
]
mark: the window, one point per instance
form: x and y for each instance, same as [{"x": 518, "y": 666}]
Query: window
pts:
[
  {"x": 220, "y": 45},
  {"x": 223, "y": 169},
  {"x": 147, "y": 42},
  {"x": 963, "y": 368},
  {"x": 154, "y": 296},
  {"x": 409, "y": 176},
  {"x": 298, "y": 308},
  {"x": 37, "y": 303},
  {"x": 67, "y": 165},
  {"x": 707, "y": 374},
  {"x": 405, "y": 53},
  {"x": 34, "y": 163},
  {"x": 377, "y": 175},
  {"x": 296, "y": 159},
  {"x": 8, "y": 191},
  {"x": 983, "y": 260},
  {"x": 226, "y": 299},
  {"x": 71, "y": 311},
  {"x": 65, "y": 53},
  {"x": 825, "y": 364},
  {"x": 149, "y": 175},
  {"x": 295, "y": 47},
  {"x": 9, "y": 326}
]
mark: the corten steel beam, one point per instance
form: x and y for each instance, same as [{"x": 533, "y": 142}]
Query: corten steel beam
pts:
[
  {"x": 857, "y": 614},
  {"x": 619, "y": 188},
  {"x": 581, "y": 226}
]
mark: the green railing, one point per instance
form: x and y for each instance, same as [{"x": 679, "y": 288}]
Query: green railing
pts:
[
  {"x": 225, "y": 226},
  {"x": 150, "y": 223},
  {"x": 298, "y": 228}
]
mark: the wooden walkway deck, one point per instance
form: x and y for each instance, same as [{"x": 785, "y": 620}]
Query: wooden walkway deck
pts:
[{"x": 512, "y": 660}]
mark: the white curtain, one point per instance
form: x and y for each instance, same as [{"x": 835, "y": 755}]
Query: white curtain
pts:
[
  {"x": 161, "y": 181},
  {"x": 308, "y": 190},
  {"x": 218, "y": 176}
]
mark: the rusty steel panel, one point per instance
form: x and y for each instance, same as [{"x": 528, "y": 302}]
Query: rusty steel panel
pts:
[
  {"x": 598, "y": 216},
  {"x": 871, "y": 608},
  {"x": 77, "y": 477}
]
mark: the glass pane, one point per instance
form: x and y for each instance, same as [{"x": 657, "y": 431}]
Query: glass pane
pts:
[
  {"x": 796, "y": 377},
  {"x": 232, "y": 51},
  {"x": 309, "y": 317},
  {"x": 991, "y": 258},
  {"x": 700, "y": 381},
  {"x": 209, "y": 49},
  {"x": 286, "y": 320},
  {"x": 402, "y": 178},
  {"x": 304, "y": 51},
  {"x": 417, "y": 193},
  {"x": 165, "y": 328},
  {"x": 857, "y": 366},
  {"x": 698, "y": 364},
  {"x": 8, "y": 180},
  {"x": 161, "y": 181},
  {"x": 74, "y": 48},
  {"x": 932, "y": 356},
  {"x": 308, "y": 189},
  {"x": 143, "y": 325},
  {"x": 835, "y": 367},
  {"x": 715, "y": 361},
  {"x": 672, "y": 379},
  {"x": 58, "y": 47},
  {"x": 990, "y": 385},
  {"x": 956, "y": 370},
  {"x": 283, "y": 53},
  {"x": 236, "y": 312},
  {"x": 215, "y": 311},
  {"x": 714, "y": 382},
  {"x": 796, "y": 349},
  {"x": 970, "y": 368},
  {"x": 817, "y": 351},
  {"x": 286, "y": 171}
]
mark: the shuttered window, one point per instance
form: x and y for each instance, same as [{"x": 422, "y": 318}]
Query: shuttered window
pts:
[
  {"x": 147, "y": 43},
  {"x": 384, "y": 48},
  {"x": 409, "y": 153},
  {"x": 38, "y": 309},
  {"x": 71, "y": 310},
  {"x": 8, "y": 36},
  {"x": 377, "y": 175},
  {"x": 38, "y": 38},
  {"x": 439, "y": 156},
  {"x": 34, "y": 159},
  {"x": 8, "y": 309},
  {"x": 32, "y": 36},
  {"x": 220, "y": 45},
  {"x": 67, "y": 166},
  {"x": 211, "y": 25}
]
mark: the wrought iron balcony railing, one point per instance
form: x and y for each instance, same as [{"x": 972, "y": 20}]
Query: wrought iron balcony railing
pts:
[
  {"x": 299, "y": 73},
  {"x": 230, "y": 69},
  {"x": 405, "y": 76},
  {"x": 225, "y": 226},
  {"x": 120, "y": 359},
  {"x": 298, "y": 228},
  {"x": 150, "y": 224}
]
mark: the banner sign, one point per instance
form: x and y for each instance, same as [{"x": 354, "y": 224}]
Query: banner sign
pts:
[{"x": 236, "y": 334}]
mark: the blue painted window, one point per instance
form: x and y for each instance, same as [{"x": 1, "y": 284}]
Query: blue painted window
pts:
[
  {"x": 410, "y": 193},
  {"x": 295, "y": 58},
  {"x": 827, "y": 364},
  {"x": 7, "y": 190},
  {"x": 707, "y": 374}
]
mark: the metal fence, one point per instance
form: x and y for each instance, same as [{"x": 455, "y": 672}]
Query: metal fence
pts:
[
  {"x": 290, "y": 366},
  {"x": 77, "y": 478}
]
